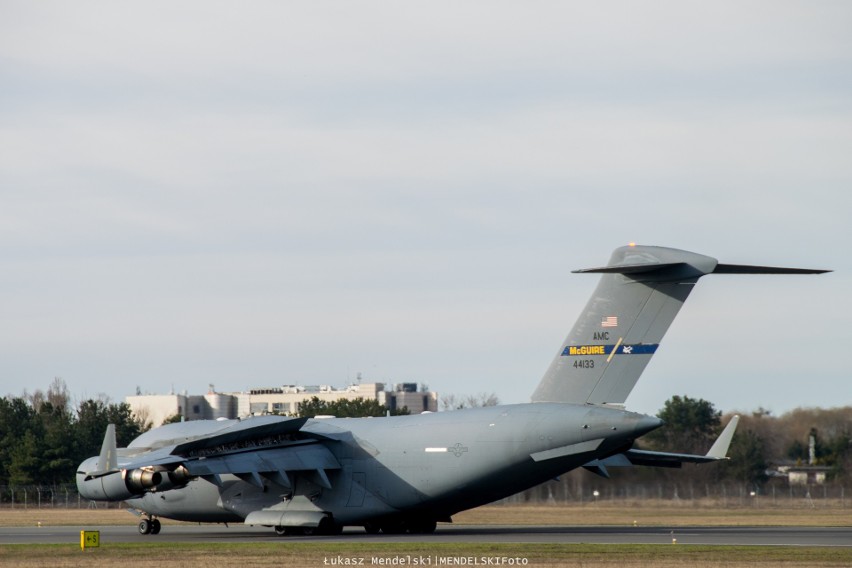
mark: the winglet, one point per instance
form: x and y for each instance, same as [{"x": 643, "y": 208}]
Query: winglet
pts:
[
  {"x": 719, "y": 450},
  {"x": 108, "y": 460},
  {"x": 666, "y": 459}
]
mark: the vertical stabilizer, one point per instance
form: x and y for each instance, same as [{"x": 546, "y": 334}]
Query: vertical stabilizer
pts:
[{"x": 640, "y": 292}]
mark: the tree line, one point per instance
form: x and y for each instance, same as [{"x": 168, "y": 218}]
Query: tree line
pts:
[
  {"x": 346, "y": 408},
  {"x": 43, "y": 437},
  {"x": 761, "y": 442}
]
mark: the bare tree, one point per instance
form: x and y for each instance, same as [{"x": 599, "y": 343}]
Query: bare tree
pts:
[
  {"x": 454, "y": 402},
  {"x": 483, "y": 399},
  {"x": 57, "y": 394},
  {"x": 35, "y": 399}
]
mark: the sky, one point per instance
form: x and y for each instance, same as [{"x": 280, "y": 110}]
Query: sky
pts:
[{"x": 267, "y": 193}]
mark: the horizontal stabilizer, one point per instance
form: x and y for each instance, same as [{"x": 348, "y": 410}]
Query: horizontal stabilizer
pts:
[
  {"x": 750, "y": 269},
  {"x": 628, "y": 268}
]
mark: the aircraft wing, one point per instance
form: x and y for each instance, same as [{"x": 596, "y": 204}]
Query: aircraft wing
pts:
[
  {"x": 665, "y": 459},
  {"x": 267, "y": 446},
  {"x": 632, "y": 457}
]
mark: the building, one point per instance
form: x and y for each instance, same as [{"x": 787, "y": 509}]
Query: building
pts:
[
  {"x": 802, "y": 474},
  {"x": 274, "y": 400},
  {"x": 158, "y": 408},
  {"x": 797, "y": 474}
]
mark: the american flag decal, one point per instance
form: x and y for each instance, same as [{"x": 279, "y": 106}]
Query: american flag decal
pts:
[{"x": 610, "y": 321}]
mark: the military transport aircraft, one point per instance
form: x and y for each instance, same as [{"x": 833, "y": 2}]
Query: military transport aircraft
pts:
[{"x": 406, "y": 473}]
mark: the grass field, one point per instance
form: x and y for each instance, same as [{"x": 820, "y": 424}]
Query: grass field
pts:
[
  {"x": 324, "y": 553},
  {"x": 438, "y": 554},
  {"x": 658, "y": 513},
  {"x": 643, "y": 513}
]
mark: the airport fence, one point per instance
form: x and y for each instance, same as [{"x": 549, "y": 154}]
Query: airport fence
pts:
[
  {"x": 775, "y": 494},
  {"x": 771, "y": 495},
  {"x": 49, "y": 496}
]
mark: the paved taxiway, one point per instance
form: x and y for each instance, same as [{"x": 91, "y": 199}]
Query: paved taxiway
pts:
[{"x": 791, "y": 536}]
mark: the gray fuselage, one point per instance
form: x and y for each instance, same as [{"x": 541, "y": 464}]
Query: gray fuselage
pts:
[{"x": 427, "y": 465}]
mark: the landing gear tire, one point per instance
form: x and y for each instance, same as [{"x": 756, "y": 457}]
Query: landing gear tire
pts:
[
  {"x": 296, "y": 531},
  {"x": 372, "y": 528},
  {"x": 394, "y": 528},
  {"x": 149, "y": 526},
  {"x": 328, "y": 527},
  {"x": 422, "y": 527}
]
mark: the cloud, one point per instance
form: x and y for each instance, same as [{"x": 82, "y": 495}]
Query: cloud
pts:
[{"x": 199, "y": 193}]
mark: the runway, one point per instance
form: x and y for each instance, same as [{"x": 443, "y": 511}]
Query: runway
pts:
[{"x": 748, "y": 536}]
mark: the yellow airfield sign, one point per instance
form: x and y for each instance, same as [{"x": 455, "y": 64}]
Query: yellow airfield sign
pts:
[{"x": 90, "y": 539}]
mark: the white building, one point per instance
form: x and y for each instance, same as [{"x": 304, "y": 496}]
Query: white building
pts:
[
  {"x": 156, "y": 408},
  {"x": 274, "y": 400}
]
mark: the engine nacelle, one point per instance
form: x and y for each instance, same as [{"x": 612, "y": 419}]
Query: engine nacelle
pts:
[
  {"x": 163, "y": 480},
  {"x": 142, "y": 480},
  {"x": 126, "y": 484},
  {"x": 109, "y": 487},
  {"x": 177, "y": 478}
]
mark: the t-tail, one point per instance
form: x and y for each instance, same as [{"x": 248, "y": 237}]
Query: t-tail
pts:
[{"x": 638, "y": 297}]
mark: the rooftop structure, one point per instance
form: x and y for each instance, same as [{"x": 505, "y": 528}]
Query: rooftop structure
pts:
[{"x": 283, "y": 399}]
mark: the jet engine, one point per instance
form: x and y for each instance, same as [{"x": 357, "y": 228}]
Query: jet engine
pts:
[{"x": 118, "y": 485}]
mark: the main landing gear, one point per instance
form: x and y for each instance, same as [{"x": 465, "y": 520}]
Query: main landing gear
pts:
[
  {"x": 149, "y": 526},
  {"x": 327, "y": 527},
  {"x": 411, "y": 526}
]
